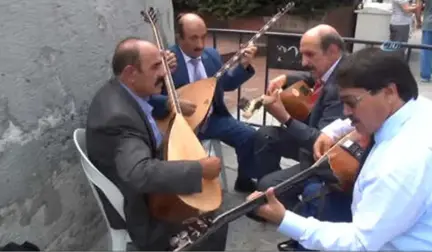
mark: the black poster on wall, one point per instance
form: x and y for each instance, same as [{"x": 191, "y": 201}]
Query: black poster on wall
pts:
[{"x": 283, "y": 53}]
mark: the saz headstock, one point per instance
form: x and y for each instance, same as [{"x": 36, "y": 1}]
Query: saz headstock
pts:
[{"x": 150, "y": 15}]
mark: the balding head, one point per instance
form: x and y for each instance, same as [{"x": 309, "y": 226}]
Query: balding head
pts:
[
  {"x": 191, "y": 34},
  {"x": 137, "y": 63},
  {"x": 321, "y": 46},
  {"x": 326, "y": 35},
  {"x": 127, "y": 52}
]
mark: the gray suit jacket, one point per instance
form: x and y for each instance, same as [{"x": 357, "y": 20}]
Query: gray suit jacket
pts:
[{"x": 121, "y": 144}]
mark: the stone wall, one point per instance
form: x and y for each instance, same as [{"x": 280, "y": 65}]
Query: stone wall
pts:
[{"x": 54, "y": 55}]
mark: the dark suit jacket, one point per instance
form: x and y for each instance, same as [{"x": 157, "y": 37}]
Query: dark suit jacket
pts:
[
  {"x": 121, "y": 144},
  {"x": 212, "y": 62},
  {"x": 328, "y": 108}
]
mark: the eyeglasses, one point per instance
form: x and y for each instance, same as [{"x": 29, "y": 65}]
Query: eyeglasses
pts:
[{"x": 353, "y": 101}]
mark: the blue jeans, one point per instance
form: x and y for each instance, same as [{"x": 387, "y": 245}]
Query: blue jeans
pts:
[
  {"x": 236, "y": 134},
  {"x": 336, "y": 208},
  {"x": 426, "y": 56}
]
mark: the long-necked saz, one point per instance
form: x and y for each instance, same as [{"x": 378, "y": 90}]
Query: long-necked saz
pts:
[
  {"x": 201, "y": 92},
  {"x": 180, "y": 143}
]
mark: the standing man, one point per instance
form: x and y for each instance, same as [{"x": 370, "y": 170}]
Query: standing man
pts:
[
  {"x": 426, "y": 55},
  {"x": 401, "y": 20},
  {"x": 392, "y": 195},
  {"x": 124, "y": 143},
  {"x": 196, "y": 62}
]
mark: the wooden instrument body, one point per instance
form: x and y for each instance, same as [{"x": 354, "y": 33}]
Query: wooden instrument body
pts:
[
  {"x": 184, "y": 145},
  {"x": 297, "y": 100},
  {"x": 199, "y": 93},
  {"x": 344, "y": 158}
]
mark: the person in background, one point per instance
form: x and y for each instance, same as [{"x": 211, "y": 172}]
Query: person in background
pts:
[
  {"x": 426, "y": 55},
  {"x": 401, "y": 20}
]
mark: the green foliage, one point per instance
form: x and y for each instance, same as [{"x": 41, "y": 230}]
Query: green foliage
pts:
[
  {"x": 225, "y": 9},
  {"x": 228, "y": 8}
]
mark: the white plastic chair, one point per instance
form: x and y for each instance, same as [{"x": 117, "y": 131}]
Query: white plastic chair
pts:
[
  {"x": 119, "y": 237},
  {"x": 214, "y": 148}
]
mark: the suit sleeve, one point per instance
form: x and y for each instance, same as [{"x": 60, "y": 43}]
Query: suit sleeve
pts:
[
  {"x": 235, "y": 77},
  {"x": 145, "y": 174},
  {"x": 332, "y": 108}
]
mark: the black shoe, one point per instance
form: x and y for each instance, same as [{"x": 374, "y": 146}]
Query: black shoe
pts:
[
  {"x": 290, "y": 245},
  {"x": 244, "y": 185}
]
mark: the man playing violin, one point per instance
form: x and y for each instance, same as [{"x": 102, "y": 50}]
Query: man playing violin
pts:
[
  {"x": 322, "y": 51},
  {"x": 195, "y": 61},
  {"x": 124, "y": 143},
  {"x": 392, "y": 195}
]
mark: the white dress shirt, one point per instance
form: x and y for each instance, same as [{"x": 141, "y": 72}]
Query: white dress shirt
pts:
[
  {"x": 392, "y": 197},
  {"x": 191, "y": 69},
  {"x": 338, "y": 128}
]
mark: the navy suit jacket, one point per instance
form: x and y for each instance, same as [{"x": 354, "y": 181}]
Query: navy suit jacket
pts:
[{"x": 212, "y": 62}]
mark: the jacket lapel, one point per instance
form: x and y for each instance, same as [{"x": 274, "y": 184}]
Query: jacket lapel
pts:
[
  {"x": 208, "y": 64},
  {"x": 181, "y": 74},
  {"x": 124, "y": 93}
]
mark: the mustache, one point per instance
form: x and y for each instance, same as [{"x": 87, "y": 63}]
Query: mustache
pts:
[{"x": 309, "y": 68}]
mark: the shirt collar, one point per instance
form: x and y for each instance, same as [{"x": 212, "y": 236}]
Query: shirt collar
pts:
[
  {"x": 391, "y": 126},
  {"x": 326, "y": 76},
  {"x": 142, "y": 101},
  {"x": 186, "y": 57}
]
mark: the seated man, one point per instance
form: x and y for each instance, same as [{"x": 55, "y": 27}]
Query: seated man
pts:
[
  {"x": 124, "y": 143},
  {"x": 322, "y": 51},
  {"x": 392, "y": 195},
  {"x": 195, "y": 62}
]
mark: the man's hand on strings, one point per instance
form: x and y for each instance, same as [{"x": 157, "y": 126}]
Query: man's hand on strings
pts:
[
  {"x": 276, "y": 83},
  {"x": 273, "y": 104},
  {"x": 211, "y": 167},
  {"x": 248, "y": 53},
  {"x": 171, "y": 60},
  {"x": 186, "y": 107},
  {"x": 322, "y": 145},
  {"x": 273, "y": 211}
]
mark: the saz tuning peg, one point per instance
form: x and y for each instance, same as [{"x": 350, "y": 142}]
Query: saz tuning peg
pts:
[{"x": 150, "y": 15}]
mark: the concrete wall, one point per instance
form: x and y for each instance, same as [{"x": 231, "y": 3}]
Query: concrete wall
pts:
[{"x": 54, "y": 55}]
